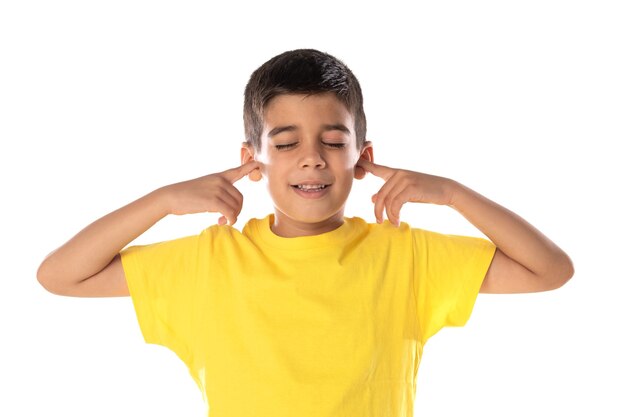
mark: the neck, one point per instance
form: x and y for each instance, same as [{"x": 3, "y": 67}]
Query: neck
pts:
[{"x": 284, "y": 226}]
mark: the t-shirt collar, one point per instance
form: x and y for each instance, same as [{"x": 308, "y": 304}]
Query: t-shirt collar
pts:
[{"x": 338, "y": 237}]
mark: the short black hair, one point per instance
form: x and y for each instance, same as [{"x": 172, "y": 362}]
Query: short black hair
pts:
[{"x": 301, "y": 71}]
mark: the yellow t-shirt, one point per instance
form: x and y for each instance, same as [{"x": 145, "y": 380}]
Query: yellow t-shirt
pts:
[{"x": 329, "y": 325}]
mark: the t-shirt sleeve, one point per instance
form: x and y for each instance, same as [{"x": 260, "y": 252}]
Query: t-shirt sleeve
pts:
[
  {"x": 163, "y": 282},
  {"x": 449, "y": 271}
]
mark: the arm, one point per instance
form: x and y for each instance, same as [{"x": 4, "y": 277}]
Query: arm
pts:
[
  {"x": 97, "y": 246},
  {"x": 525, "y": 259},
  {"x": 89, "y": 264}
]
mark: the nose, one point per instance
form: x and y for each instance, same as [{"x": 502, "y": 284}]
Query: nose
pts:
[{"x": 311, "y": 157}]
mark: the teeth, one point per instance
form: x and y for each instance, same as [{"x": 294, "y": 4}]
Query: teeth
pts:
[{"x": 311, "y": 187}]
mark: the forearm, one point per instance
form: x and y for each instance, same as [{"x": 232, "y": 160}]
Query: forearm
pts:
[
  {"x": 514, "y": 236},
  {"x": 93, "y": 248}
]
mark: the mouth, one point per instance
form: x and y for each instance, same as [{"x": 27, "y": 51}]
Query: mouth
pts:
[{"x": 311, "y": 188}]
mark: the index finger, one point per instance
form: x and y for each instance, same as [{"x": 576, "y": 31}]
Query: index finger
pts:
[
  {"x": 378, "y": 170},
  {"x": 235, "y": 174}
]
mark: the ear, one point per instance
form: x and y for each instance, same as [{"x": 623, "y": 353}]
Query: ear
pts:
[
  {"x": 247, "y": 155},
  {"x": 367, "y": 153}
]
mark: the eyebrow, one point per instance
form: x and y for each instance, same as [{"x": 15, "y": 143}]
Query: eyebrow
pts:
[{"x": 291, "y": 128}]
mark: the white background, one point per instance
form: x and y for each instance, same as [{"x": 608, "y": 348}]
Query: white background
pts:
[{"x": 102, "y": 102}]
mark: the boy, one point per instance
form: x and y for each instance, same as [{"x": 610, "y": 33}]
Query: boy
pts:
[{"x": 305, "y": 312}]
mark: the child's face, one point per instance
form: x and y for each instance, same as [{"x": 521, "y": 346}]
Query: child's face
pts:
[{"x": 308, "y": 141}]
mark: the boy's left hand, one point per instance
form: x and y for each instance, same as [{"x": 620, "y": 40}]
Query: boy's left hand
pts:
[{"x": 401, "y": 186}]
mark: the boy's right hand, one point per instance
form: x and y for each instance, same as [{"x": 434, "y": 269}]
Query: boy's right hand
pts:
[{"x": 212, "y": 193}]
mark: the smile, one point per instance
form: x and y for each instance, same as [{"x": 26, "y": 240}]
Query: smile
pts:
[
  {"x": 310, "y": 187},
  {"x": 311, "y": 191}
]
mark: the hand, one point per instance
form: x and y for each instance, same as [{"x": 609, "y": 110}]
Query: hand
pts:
[
  {"x": 401, "y": 186},
  {"x": 210, "y": 193}
]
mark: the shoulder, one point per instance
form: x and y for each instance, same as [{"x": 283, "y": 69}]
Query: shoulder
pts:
[
  {"x": 386, "y": 228},
  {"x": 385, "y": 231},
  {"x": 425, "y": 240},
  {"x": 220, "y": 234}
]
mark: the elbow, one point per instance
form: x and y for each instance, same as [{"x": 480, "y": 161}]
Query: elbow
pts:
[
  {"x": 45, "y": 281},
  {"x": 563, "y": 272},
  {"x": 568, "y": 269},
  {"x": 42, "y": 280}
]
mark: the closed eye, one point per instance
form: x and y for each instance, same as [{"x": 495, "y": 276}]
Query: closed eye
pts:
[
  {"x": 279, "y": 147},
  {"x": 332, "y": 145},
  {"x": 336, "y": 145}
]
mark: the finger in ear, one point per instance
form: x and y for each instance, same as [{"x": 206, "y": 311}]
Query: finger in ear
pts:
[
  {"x": 255, "y": 175},
  {"x": 359, "y": 172}
]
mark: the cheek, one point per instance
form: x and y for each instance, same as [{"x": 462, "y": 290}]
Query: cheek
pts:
[
  {"x": 274, "y": 173},
  {"x": 266, "y": 163},
  {"x": 351, "y": 158},
  {"x": 349, "y": 163},
  {"x": 346, "y": 175}
]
